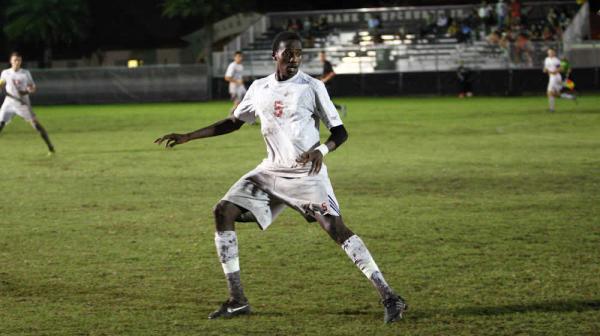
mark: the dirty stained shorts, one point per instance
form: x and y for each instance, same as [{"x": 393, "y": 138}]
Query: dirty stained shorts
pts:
[{"x": 266, "y": 195}]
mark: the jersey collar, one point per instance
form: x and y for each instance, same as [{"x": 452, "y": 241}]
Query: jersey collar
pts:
[{"x": 289, "y": 80}]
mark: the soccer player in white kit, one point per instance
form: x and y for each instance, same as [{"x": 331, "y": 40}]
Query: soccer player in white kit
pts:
[
  {"x": 290, "y": 105},
  {"x": 234, "y": 75},
  {"x": 555, "y": 83},
  {"x": 18, "y": 85}
]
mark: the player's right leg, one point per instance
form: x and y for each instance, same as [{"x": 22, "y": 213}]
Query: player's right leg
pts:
[
  {"x": 551, "y": 100},
  {"x": 6, "y": 115},
  {"x": 225, "y": 214},
  {"x": 38, "y": 127},
  {"x": 341, "y": 108},
  {"x": 235, "y": 105}
]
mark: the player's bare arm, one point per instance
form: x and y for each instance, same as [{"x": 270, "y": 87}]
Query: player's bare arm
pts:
[
  {"x": 28, "y": 90},
  {"x": 221, "y": 127},
  {"x": 233, "y": 80},
  {"x": 315, "y": 157},
  {"x": 328, "y": 77}
]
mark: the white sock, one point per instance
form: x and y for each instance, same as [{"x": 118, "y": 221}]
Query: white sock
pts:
[
  {"x": 227, "y": 249},
  {"x": 356, "y": 249},
  {"x": 551, "y": 103},
  {"x": 360, "y": 255}
]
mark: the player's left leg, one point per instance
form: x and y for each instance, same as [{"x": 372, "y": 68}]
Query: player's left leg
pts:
[
  {"x": 551, "y": 100},
  {"x": 6, "y": 115},
  {"x": 356, "y": 249},
  {"x": 38, "y": 127},
  {"x": 225, "y": 214},
  {"x": 567, "y": 93},
  {"x": 235, "y": 105}
]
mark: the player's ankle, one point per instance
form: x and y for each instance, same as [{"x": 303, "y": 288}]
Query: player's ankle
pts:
[{"x": 239, "y": 300}]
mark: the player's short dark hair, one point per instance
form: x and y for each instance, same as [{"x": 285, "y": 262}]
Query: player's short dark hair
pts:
[
  {"x": 284, "y": 36},
  {"x": 15, "y": 54},
  {"x": 239, "y": 52}
]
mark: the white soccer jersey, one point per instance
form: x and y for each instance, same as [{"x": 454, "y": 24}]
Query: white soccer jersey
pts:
[
  {"x": 234, "y": 71},
  {"x": 551, "y": 64},
  {"x": 289, "y": 112},
  {"x": 16, "y": 81}
]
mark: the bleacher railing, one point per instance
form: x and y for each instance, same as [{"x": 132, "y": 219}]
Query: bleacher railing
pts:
[
  {"x": 402, "y": 50},
  {"x": 432, "y": 57}
]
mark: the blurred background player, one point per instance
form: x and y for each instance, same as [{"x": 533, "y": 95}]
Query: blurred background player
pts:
[
  {"x": 17, "y": 85},
  {"x": 465, "y": 80},
  {"x": 568, "y": 90},
  {"x": 234, "y": 75},
  {"x": 555, "y": 83},
  {"x": 327, "y": 77}
]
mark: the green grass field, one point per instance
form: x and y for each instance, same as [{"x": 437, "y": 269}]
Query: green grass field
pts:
[{"x": 483, "y": 213}]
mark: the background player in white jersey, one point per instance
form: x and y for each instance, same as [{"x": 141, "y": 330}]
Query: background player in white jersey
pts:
[
  {"x": 234, "y": 75},
  {"x": 290, "y": 105},
  {"x": 18, "y": 85},
  {"x": 555, "y": 83}
]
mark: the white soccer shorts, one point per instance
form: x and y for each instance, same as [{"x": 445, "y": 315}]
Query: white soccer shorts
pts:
[
  {"x": 8, "y": 111},
  {"x": 266, "y": 195},
  {"x": 555, "y": 83},
  {"x": 238, "y": 93}
]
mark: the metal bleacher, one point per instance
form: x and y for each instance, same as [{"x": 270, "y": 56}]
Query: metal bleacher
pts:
[{"x": 399, "y": 45}]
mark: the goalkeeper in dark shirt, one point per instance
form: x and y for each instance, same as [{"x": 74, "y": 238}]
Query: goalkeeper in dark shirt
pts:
[{"x": 327, "y": 77}]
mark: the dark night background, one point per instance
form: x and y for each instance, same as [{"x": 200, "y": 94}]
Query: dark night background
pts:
[{"x": 137, "y": 24}]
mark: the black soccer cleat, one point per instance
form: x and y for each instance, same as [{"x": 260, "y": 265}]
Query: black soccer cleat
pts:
[
  {"x": 230, "y": 309},
  {"x": 393, "y": 307}
]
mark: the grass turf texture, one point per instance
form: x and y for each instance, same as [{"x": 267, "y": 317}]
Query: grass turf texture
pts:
[{"x": 483, "y": 213}]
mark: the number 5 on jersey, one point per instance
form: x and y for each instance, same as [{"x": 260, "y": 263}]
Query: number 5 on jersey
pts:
[{"x": 278, "y": 107}]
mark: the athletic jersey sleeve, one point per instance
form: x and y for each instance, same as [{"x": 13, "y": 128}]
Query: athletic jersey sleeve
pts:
[
  {"x": 325, "y": 109},
  {"x": 3, "y": 76},
  {"x": 246, "y": 110},
  {"x": 327, "y": 68},
  {"x": 30, "y": 79},
  {"x": 230, "y": 70}
]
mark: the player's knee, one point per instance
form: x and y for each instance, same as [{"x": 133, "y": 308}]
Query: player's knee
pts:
[
  {"x": 337, "y": 230},
  {"x": 219, "y": 210},
  {"x": 224, "y": 213}
]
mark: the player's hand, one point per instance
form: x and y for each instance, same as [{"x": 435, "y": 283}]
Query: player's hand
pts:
[
  {"x": 315, "y": 157},
  {"x": 172, "y": 140}
]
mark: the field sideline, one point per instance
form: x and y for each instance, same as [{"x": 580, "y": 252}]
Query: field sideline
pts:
[{"x": 483, "y": 213}]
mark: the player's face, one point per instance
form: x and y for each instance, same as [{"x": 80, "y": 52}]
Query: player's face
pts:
[
  {"x": 15, "y": 62},
  {"x": 322, "y": 57},
  {"x": 238, "y": 58},
  {"x": 551, "y": 53},
  {"x": 288, "y": 58}
]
